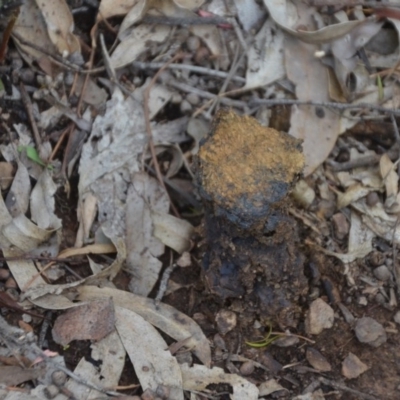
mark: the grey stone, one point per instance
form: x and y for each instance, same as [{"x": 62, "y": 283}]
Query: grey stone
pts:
[
  {"x": 353, "y": 367},
  {"x": 370, "y": 331},
  {"x": 382, "y": 273},
  {"x": 397, "y": 317},
  {"x": 317, "y": 360},
  {"x": 320, "y": 316}
]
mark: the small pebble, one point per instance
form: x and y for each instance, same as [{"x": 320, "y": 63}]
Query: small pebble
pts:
[
  {"x": 193, "y": 99},
  {"x": 11, "y": 283},
  {"x": 382, "y": 273},
  {"x": 59, "y": 378},
  {"x": 247, "y": 368},
  {"x": 226, "y": 321},
  {"x": 341, "y": 226},
  {"x": 267, "y": 360},
  {"x": 317, "y": 360},
  {"x": 193, "y": 43},
  {"x": 202, "y": 55},
  {"x": 51, "y": 391},
  {"x": 380, "y": 298},
  {"x": 397, "y": 317},
  {"x": 185, "y": 107},
  {"x": 353, "y": 367},
  {"x": 176, "y": 98},
  {"x": 319, "y": 317},
  {"x": 376, "y": 258},
  {"x": 389, "y": 262},
  {"x": 372, "y": 199},
  {"x": 286, "y": 341},
  {"x": 362, "y": 301},
  {"x": 370, "y": 331},
  {"x": 4, "y": 274}
]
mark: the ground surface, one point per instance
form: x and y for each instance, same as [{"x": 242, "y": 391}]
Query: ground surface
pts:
[{"x": 353, "y": 285}]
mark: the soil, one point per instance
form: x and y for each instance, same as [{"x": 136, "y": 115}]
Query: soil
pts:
[{"x": 267, "y": 278}]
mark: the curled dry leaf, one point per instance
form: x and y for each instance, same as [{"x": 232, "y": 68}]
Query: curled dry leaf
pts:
[
  {"x": 60, "y": 25},
  {"x": 310, "y": 123},
  {"x": 30, "y": 15},
  {"x": 145, "y": 196},
  {"x": 42, "y": 202},
  {"x": 17, "y": 199},
  {"x": 136, "y": 43},
  {"x": 284, "y": 14},
  {"x": 112, "y": 8},
  {"x": 166, "y": 318},
  {"x": 92, "y": 321},
  {"x": 110, "y": 355},
  {"x": 154, "y": 365},
  {"x": 198, "y": 378},
  {"x": 189, "y": 4},
  {"x": 265, "y": 62},
  {"x": 173, "y": 232}
]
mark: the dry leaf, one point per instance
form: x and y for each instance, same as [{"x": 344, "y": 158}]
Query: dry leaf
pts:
[
  {"x": 154, "y": 365},
  {"x": 17, "y": 199},
  {"x": 110, "y": 355},
  {"x": 310, "y": 123},
  {"x": 145, "y": 196},
  {"x": 265, "y": 62},
  {"x": 92, "y": 321},
  {"x": 199, "y": 377},
  {"x": 60, "y": 25},
  {"x": 173, "y": 232},
  {"x": 166, "y": 318}
]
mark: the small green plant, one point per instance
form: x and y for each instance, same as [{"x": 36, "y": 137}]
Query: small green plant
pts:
[
  {"x": 33, "y": 155},
  {"x": 266, "y": 341}
]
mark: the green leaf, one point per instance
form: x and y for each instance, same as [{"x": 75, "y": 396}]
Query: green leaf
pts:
[{"x": 33, "y": 155}]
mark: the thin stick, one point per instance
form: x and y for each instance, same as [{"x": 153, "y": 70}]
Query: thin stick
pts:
[
  {"x": 146, "y": 98},
  {"x": 187, "y": 67},
  {"x": 29, "y": 109},
  {"x": 59, "y": 142},
  {"x": 339, "y": 106},
  {"x": 344, "y": 388}
]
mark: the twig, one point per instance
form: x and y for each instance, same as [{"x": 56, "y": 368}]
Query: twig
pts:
[
  {"x": 44, "y": 328},
  {"x": 56, "y": 59},
  {"x": 207, "y": 95},
  {"x": 394, "y": 254},
  {"x": 164, "y": 282},
  {"x": 161, "y": 20},
  {"x": 146, "y": 98},
  {"x": 344, "y": 388},
  {"x": 339, "y": 106},
  {"x": 29, "y": 109},
  {"x": 294, "y": 335},
  {"x": 80, "y": 122},
  {"x": 352, "y": 3},
  {"x": 187, "y": 67},
  {"x": 59, "y": 142},
  {"x": 234, "y": 66},
  {"x": 356, "y": 163}
]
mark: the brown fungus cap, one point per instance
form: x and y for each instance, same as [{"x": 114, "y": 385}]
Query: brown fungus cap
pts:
[{"x": 246, "y": 169}]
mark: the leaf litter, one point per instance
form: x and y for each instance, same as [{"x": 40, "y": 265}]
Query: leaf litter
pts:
[{"x": 292, "y": 52}]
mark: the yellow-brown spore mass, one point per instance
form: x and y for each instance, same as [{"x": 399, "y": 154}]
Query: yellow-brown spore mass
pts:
[{"x": 244, "y": 163}]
